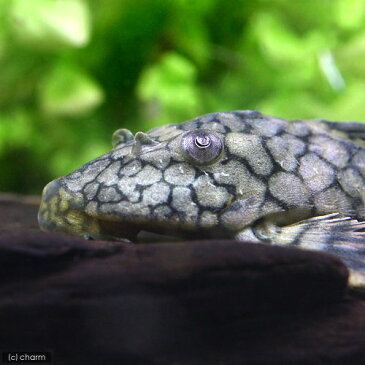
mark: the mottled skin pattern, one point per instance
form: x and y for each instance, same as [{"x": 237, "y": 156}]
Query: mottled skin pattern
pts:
[{"x": 236, "y": 174}]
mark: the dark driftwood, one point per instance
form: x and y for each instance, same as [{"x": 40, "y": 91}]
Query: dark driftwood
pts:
[{"x": 190, "y": 303}]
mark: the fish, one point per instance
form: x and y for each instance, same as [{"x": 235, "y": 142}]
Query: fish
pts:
[{"x": 238, "y": 175}]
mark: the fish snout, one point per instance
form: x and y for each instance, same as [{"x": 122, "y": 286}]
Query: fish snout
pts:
[{"x": 61, "y": 210}]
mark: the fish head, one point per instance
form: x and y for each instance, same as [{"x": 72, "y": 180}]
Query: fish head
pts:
[{"x": 200, "y": 178}]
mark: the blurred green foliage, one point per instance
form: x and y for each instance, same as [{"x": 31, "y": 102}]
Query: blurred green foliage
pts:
[{"x": 72, "y": 71}]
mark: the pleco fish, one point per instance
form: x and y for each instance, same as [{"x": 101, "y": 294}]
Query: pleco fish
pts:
[{"x": 235, "y": 175}]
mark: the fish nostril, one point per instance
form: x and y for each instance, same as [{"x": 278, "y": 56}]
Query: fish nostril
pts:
[{"x": 142, "y": 139}]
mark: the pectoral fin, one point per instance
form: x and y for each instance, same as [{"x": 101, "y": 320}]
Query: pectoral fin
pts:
[{"x": 341, "y": 236}]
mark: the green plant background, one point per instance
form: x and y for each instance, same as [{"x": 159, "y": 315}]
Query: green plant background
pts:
[{"x": 73, "y": 71}]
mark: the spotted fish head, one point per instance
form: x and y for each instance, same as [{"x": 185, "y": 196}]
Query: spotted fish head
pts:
[
  {"x": 212, "y": 176},
  {"x": 190, "y": 179}
]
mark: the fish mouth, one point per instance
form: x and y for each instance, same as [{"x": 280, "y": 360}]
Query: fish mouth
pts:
[
  {"x": 112, "y": 230},
  {"x": 130, "y": 232}
]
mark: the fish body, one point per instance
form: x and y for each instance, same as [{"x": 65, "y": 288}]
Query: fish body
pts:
[{"x": 239, "y": 175}]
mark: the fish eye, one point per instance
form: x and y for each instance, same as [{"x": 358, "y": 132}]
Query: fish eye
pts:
[{"x": 201, "y": 146}]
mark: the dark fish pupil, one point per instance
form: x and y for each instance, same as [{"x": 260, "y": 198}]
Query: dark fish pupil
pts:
[{"x": 202, "y": 141}]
